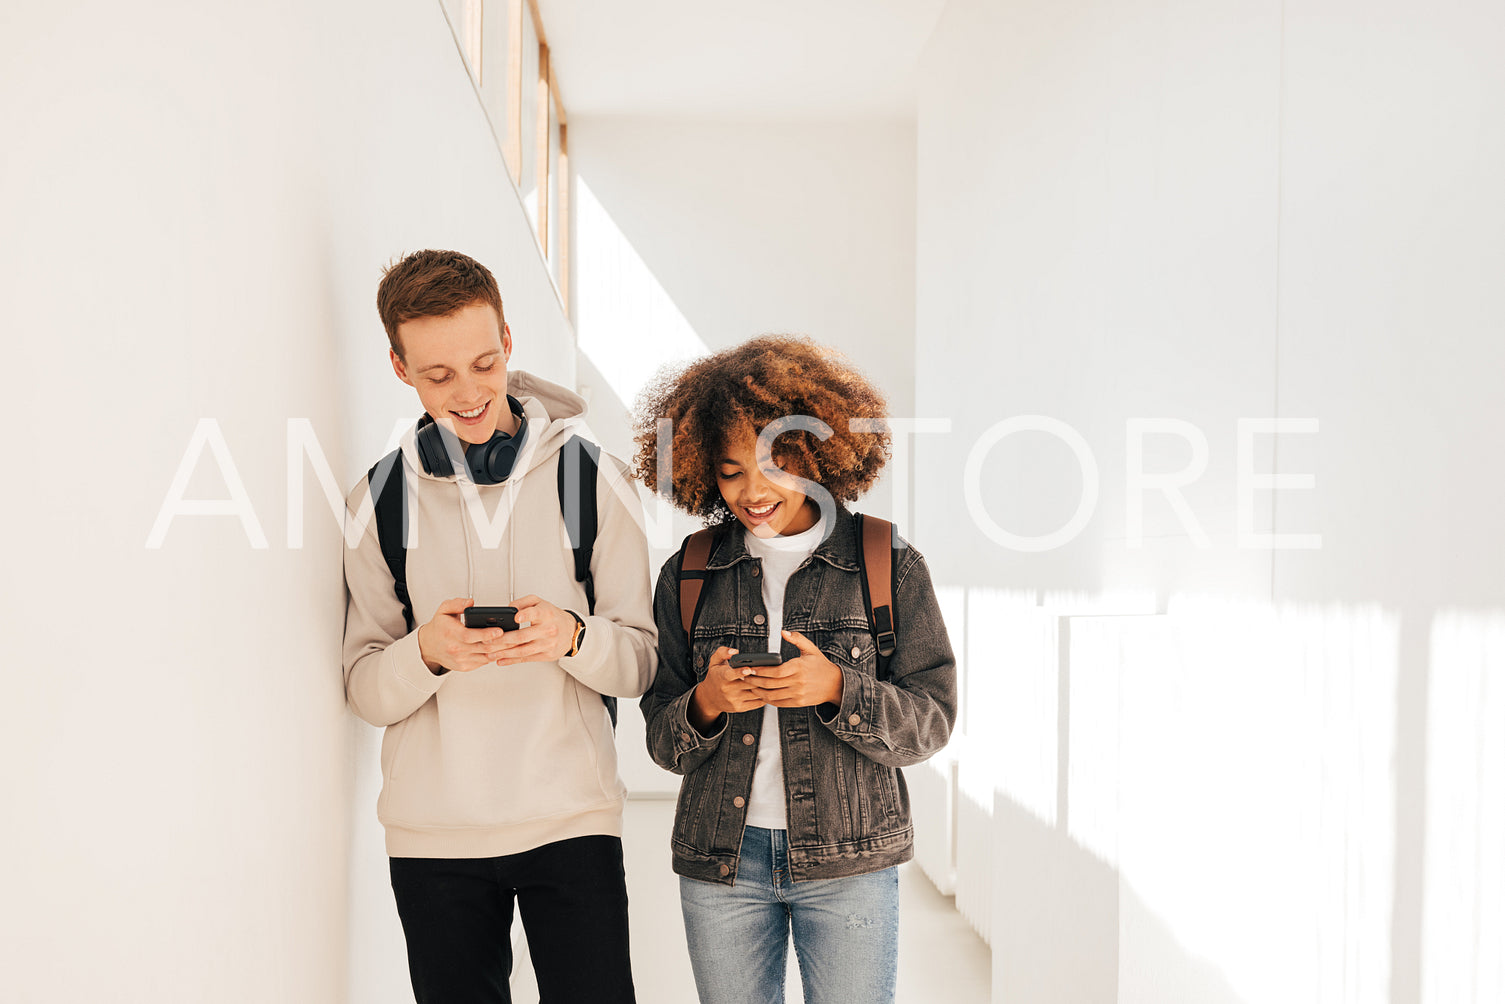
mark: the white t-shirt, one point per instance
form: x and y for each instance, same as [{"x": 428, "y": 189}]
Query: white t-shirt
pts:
[{"x": 780, "y": 556}]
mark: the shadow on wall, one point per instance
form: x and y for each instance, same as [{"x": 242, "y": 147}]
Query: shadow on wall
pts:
[
  {"x": 1060, "y": 911},
  {"x": 1231, "y": 801}
]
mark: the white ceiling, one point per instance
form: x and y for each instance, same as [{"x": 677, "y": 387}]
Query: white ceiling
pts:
[{"x": 786, "y": 59}]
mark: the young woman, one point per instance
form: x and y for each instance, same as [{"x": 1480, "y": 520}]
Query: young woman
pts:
[{"x": 792, "y": 814}]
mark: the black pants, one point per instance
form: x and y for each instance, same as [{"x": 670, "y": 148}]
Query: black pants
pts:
[{"x": 457, "y": 918}]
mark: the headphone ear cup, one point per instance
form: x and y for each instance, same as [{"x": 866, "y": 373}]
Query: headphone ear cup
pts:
[
  {"x": 492, "y": 463},
  {"x": 431, "y": 450},
  {"x": 478, "y": 459}
]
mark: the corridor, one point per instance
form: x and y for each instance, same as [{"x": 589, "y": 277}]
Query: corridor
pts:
[{"x": 1190, "y": 322}]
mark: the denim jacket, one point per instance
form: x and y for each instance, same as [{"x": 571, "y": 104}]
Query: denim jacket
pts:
[{"x": 848, "y": 808}]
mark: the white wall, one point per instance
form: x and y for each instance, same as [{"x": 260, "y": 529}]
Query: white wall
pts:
[
  {"x": 197, "y": 204},
  {"x": 1393, "y": 230},
  {"x": 1207, "y": 212},
  {"x": 1097, "y": 242}
]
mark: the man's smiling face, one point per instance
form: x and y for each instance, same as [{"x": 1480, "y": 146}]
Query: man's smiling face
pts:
[{"x": 458, "y": 365}]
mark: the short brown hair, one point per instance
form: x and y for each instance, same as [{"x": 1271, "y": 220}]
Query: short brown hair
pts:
[
  {"x": 758, "y": 382},
  {"x": 433, "y": 284}
]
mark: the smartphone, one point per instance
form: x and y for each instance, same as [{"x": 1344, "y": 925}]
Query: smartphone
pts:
[
  {"x": 489, "y": 617},
  {"x": 742, "y": 659}
]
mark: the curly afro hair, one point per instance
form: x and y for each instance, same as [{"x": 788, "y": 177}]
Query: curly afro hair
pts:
[{"x": 758, "y": 382}]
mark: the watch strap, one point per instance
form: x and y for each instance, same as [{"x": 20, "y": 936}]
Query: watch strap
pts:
[{"x": 579, "y": 634}]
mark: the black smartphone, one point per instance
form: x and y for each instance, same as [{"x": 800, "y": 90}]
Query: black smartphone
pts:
[
  {"x": 490, "y": 617},
  {"x": 742, "y": 659}
]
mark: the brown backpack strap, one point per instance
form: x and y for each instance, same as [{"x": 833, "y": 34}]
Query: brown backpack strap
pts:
[
  {"x": 692, "y": 575},
  {"x": 878, "y": 575}
]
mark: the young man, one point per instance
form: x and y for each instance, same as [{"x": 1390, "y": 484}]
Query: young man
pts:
[{"x": 499, "y": 769}]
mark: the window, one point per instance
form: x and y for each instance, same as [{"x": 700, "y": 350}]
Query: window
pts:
[
  {"x": 495, "y": 54},
  {"x": 506, "y": 52},
  {"x": 525, "y": 171}
]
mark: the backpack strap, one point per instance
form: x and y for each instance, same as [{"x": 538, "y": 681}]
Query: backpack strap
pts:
[
  {"x": 877, "y": 561},
  {"x": 692, "y": 576},
  {"x": 579, "y": 459},
  {"x": 578, "y": 462},
  {"x": 388, "y": 488}
]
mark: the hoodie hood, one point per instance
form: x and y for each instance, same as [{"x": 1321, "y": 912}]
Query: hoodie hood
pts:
[{"x": 554, "y": 415}]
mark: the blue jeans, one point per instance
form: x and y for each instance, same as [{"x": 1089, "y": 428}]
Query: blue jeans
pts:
[{"x": 846, "y": 930}]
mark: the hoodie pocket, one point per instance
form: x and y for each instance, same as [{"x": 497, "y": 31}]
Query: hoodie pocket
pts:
[
  {"x": 588, "y": 701},
  {"x": 397, "y": 734},
  {"x": 395, "y": 737}
]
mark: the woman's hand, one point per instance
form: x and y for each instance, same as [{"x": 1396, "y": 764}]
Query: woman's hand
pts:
[
  {"x": 808, "y": 680},
  {"x": 724, "y": 690}
]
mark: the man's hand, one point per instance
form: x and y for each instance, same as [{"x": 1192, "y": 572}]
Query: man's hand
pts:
[
  {"x": 808, "y": 680},
  {"x": 547, "y": 637},
  {"x": 446, "y": 643},
  {"x": 724, "y": 690}
]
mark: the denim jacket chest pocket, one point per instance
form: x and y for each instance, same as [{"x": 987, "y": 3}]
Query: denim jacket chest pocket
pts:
[{"x": 847, "y": 644}]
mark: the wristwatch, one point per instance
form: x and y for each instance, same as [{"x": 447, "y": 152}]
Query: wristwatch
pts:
[{"x": 579, "y": 634}]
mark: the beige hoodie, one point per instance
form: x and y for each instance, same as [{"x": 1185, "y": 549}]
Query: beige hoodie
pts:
[{"x": 501, "y": 759}]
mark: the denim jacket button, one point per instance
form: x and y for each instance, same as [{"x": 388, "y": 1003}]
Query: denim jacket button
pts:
[
  {"x": 725, "y": 871},
  {"x": 856, "y": 652},
  {"x": 684, "y": 737},
  {"x": 747, "y": 740},
  {"x": 853, "y": 720},
  {"x": 756, "y": 571},
  {"x": 758, "y": 618},
  {"x": 739, "y": 801}
]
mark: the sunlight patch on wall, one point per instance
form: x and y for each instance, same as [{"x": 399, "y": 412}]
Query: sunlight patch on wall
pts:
[
  {"x": 627, "y": 323},
  {"x": 1102, "y": 651},
  {"x": 1012, "y": 684},
  {"x": 953, "y": 603},
  {"x": 1006, "y": 738},
  {"x": 1257, "y": 795},
  {"x": 1463, "y": 914}
]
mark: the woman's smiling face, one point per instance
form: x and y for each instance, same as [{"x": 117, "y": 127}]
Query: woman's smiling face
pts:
[{"x": 764, "y": 506}]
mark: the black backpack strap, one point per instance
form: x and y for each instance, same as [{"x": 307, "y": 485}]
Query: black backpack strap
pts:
[
  {"x": 578, "y": 462},
  {"x": 876, "y": 556},
  {"x": 579, "y": 459},
  {"x": 388, "y": 491}
]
